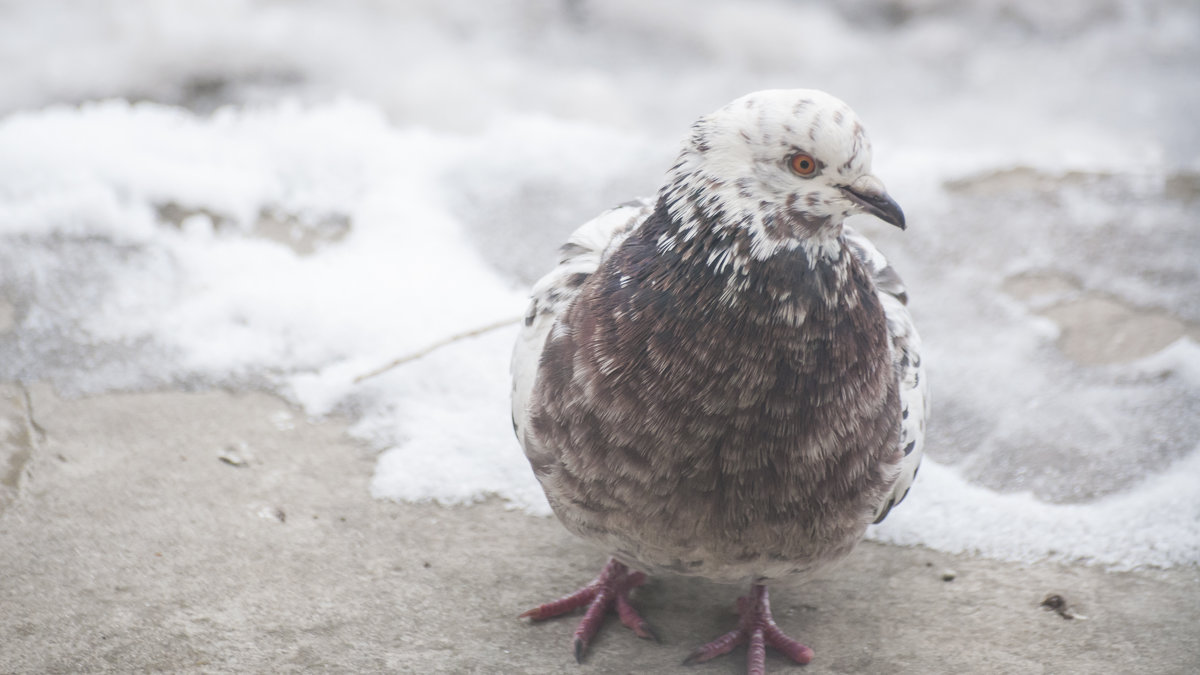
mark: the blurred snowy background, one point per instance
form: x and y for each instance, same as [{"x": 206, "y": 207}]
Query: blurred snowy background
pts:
[{"x": 286, "y": 195}]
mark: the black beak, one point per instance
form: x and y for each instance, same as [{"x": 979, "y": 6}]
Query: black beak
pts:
[{"x": 878, "y": 204}]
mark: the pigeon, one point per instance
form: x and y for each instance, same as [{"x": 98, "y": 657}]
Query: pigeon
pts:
[{"x": 725, "y": 381}]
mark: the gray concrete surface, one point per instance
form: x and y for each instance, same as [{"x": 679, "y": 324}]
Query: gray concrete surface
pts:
[{"x": 222, "y": 532}]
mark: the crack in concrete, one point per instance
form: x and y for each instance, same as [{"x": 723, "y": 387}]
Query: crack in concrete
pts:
[
  {"x": 20, "y": 435},
  {"x": 36, "y": 432}
]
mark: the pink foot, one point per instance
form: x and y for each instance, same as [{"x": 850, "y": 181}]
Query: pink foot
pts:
[
  {"x": 608, "y": 591},
  {"x": 757, "y": 628}
]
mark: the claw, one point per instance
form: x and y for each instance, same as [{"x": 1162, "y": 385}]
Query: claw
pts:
[
  {"x": 757, "y": 627},
  {"x": 580, "y": 648},
  {"x": 609, "y": 591}
]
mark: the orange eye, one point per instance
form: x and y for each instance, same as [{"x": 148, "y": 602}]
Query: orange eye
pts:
[{"x": 802, "y": 164}]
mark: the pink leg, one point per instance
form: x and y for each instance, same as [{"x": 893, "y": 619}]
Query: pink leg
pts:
[
  {"x": 608, "y": 591},
  {"x": 757, "y": 628}
]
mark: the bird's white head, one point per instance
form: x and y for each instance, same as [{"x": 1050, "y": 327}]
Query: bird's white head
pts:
[{"x": 788, "y": 166}]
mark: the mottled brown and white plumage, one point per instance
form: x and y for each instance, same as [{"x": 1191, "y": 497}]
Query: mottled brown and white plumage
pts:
[{"x": 725, "y": 382}]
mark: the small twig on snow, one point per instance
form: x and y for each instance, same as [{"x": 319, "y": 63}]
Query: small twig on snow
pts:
[{"x": 437, "y": 345}]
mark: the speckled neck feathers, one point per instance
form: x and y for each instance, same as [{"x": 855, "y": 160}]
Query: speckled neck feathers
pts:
[{"x": 729, "y": 173}]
